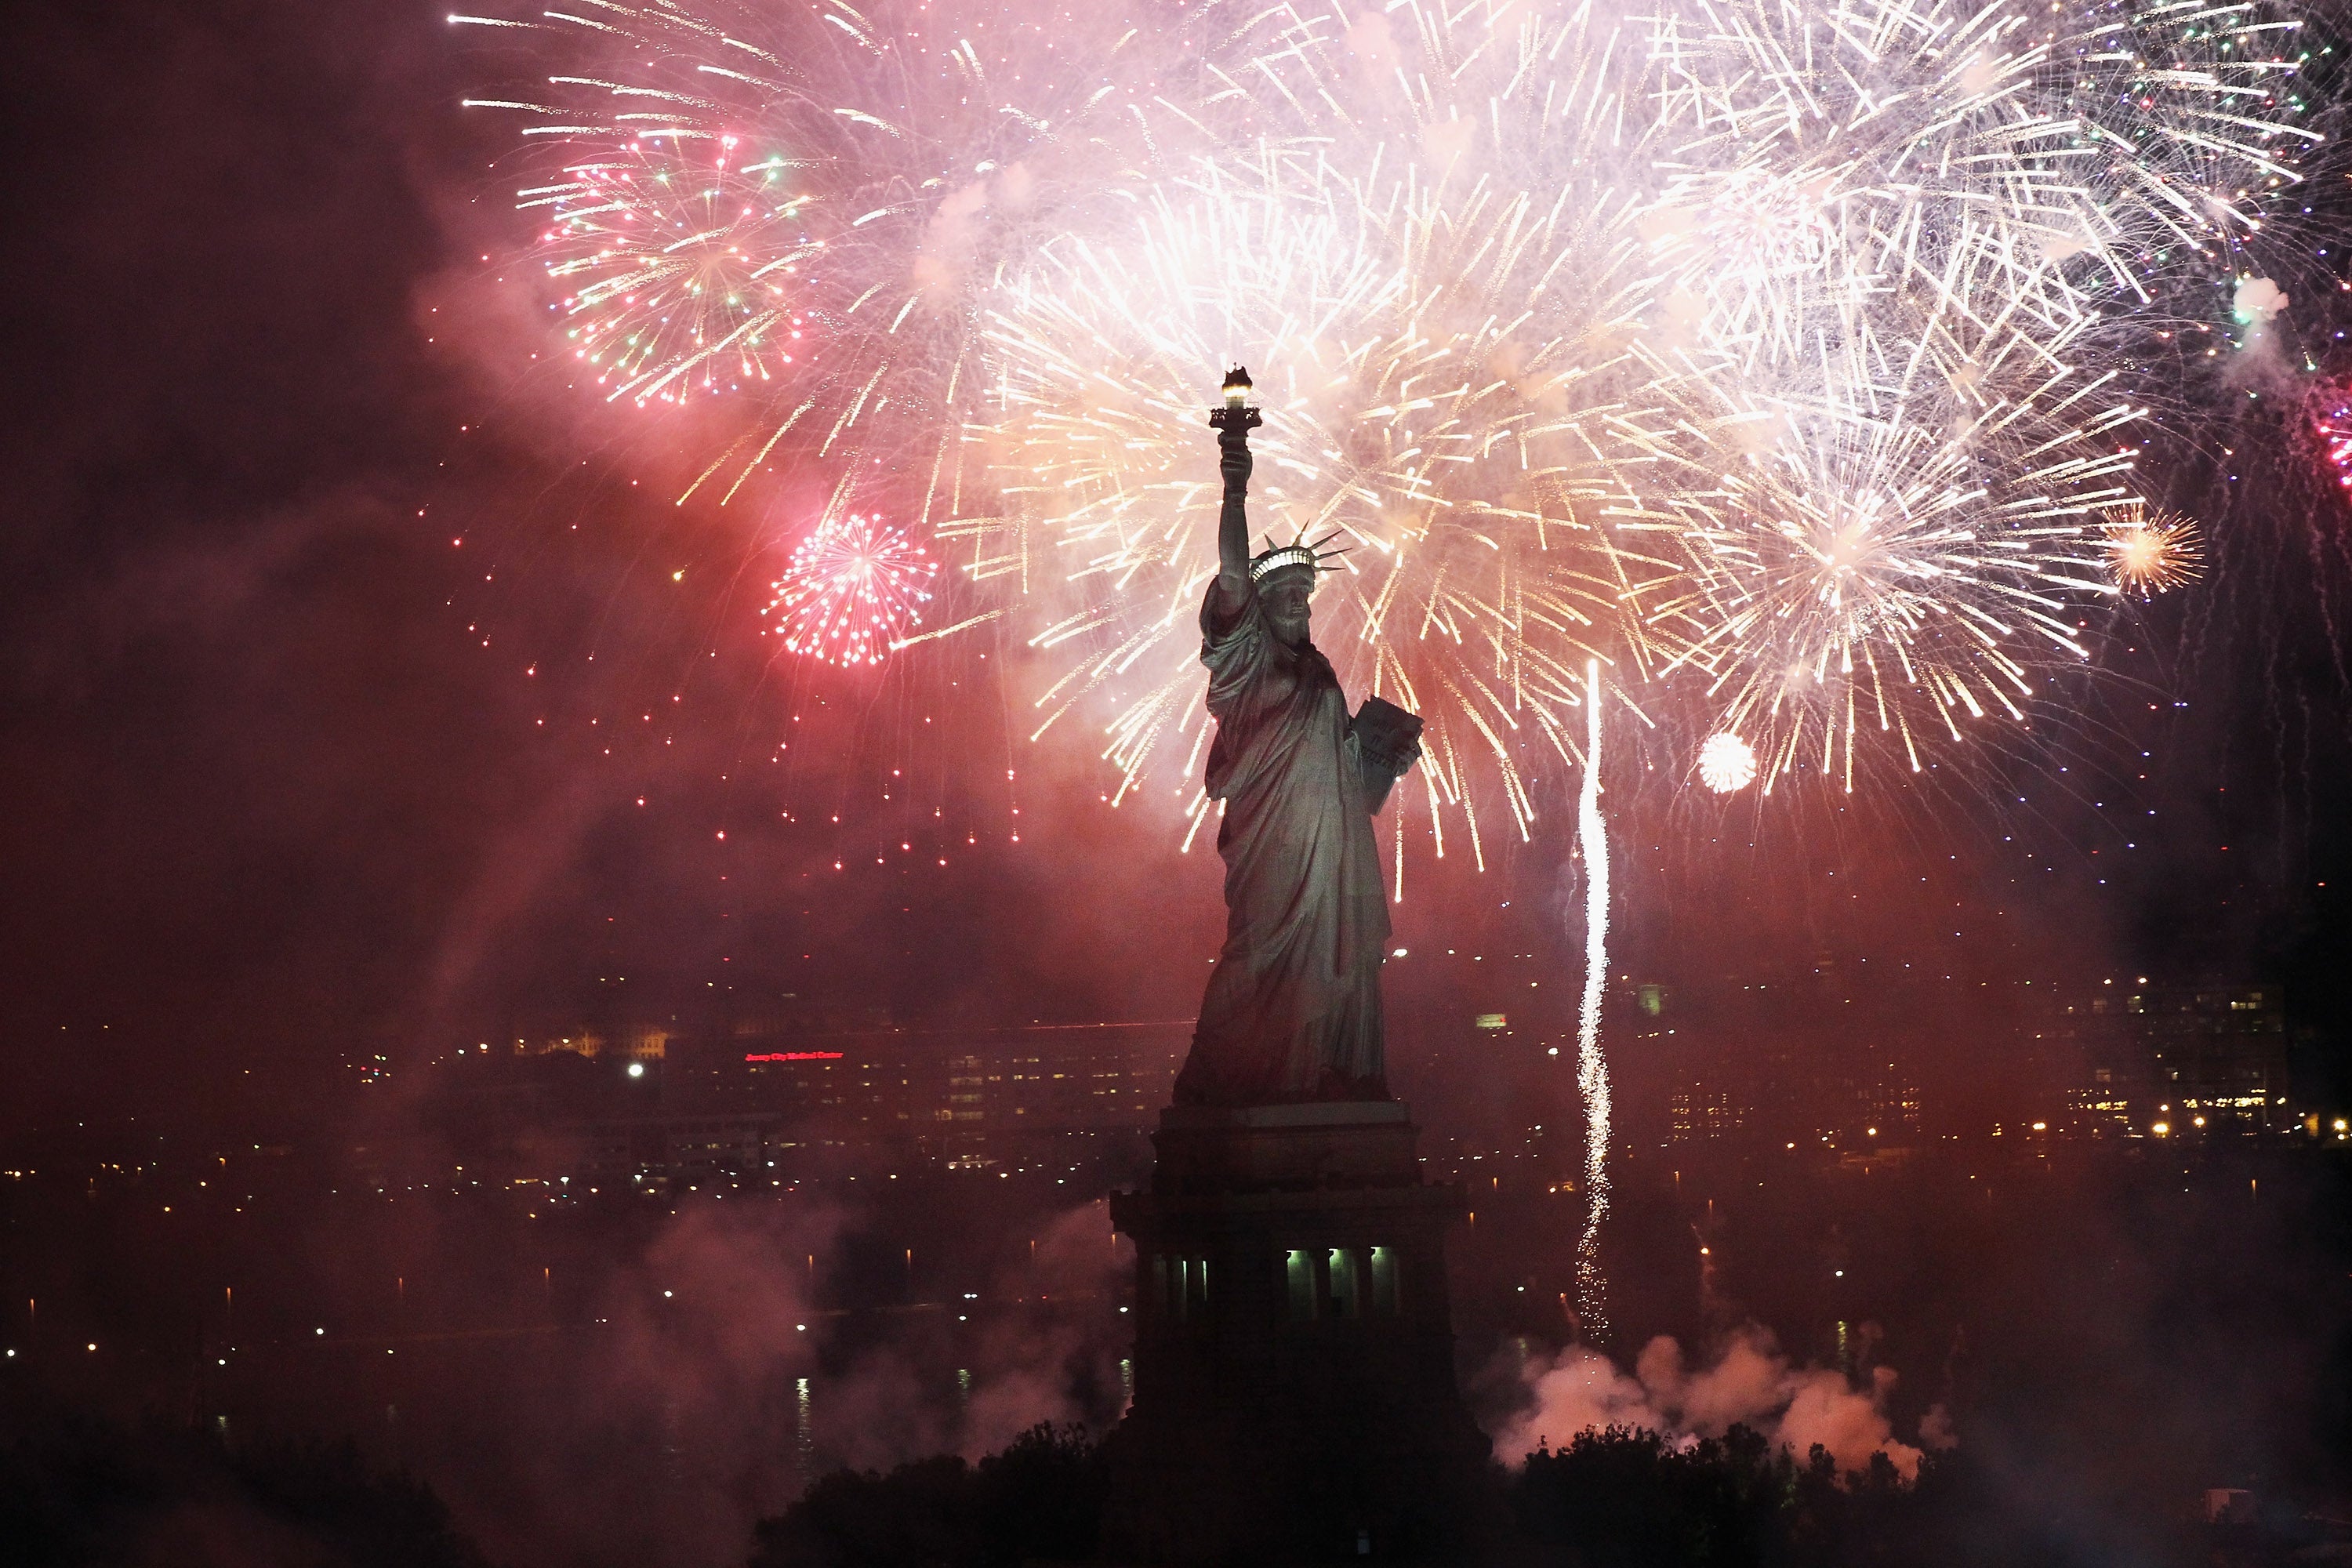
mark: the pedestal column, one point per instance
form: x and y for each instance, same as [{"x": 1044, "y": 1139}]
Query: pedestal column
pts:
[{"x": 1295, "y": 1395}]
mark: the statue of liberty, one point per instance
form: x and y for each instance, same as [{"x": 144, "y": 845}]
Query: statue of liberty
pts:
[{"x": 1293, "y": 1009}]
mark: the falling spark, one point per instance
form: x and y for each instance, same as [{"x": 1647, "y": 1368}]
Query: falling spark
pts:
[{"x": 1591, "y": 1068}]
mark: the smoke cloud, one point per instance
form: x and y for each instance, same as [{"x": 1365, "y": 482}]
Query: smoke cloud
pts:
[
  {"x": 1750, "y": 1381},
  {"x": 711, "y": 1376},
  {"x": 691, "y": 1396},
  {"x": 2262, "y": 362},
  {"x": 1058, "y": 1362}
]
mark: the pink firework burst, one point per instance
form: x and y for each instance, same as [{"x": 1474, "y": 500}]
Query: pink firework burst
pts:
[
  {"x": 2331, "y": 422},
  {"x": 851, "y": 588}
]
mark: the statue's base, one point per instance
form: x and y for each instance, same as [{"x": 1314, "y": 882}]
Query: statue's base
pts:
[{"x": 1295, "y": 1395}]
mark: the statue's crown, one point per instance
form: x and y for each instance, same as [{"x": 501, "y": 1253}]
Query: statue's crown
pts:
[{"x": 1297, "y": 552}]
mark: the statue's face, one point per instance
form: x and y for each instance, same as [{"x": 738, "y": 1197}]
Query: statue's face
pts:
[{"x": 1283, "y": 595}]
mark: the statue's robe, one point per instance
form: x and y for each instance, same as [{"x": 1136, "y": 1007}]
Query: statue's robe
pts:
[{"x": 1293, "y": 1009}]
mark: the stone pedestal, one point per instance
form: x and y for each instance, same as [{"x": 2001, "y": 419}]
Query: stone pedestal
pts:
[{"x": 1295, "y": 1396}]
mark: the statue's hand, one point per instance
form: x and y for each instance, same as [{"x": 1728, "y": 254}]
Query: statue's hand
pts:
[{"x": 1234, "y": 460}]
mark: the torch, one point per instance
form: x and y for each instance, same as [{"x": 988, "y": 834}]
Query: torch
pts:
[{"x": 1239, "y": 417}]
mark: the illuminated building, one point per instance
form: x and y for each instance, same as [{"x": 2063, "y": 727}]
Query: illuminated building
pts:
[
  {"x": 968, "y": 1096},
  {"x": 630, "y": 1043},
  {"x": 1702, "y": 1113},
  {"x": 804, "y": 1096},
  {"x": 2202, "y": 1060},
  {"x": 1806, "y": 1057},
  {"x": 651, "y": 1150}
]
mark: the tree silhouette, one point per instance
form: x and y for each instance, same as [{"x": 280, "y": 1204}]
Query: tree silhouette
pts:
[{"x": 1038, "y": 1501}]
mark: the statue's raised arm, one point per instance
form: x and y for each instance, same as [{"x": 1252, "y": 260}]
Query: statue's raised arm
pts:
[
  {"x": 1233, "y": 423},
  {"x": 1293, "y": 1009}
]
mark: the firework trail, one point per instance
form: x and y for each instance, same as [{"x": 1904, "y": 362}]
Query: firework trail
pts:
[
  {"x": 1592, "y": 1067},
  {"x": 851, "y": 589}
]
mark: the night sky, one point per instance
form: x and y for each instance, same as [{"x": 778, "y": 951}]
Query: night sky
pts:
[{"x": 342, "y": 643}]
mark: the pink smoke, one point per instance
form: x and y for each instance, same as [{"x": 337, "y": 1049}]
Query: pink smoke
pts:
[
  {"x": 1020, "y": 1371},
  {"x": 1750, "y": 1382}
]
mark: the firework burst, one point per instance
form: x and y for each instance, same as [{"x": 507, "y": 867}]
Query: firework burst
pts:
[
  {"x": 1727, "y": 764},
  {"x": 676, "y": 277},
  {"x": 2150, "y": 550},
  {"x": 793, "y": 206},
  {"x": 1461, "y": 382},
  {"x": 852, "y": 588},
  {"x": 1893, "y": 539},
  {"x": 1908, "y": 236},
  {"x": 2041, "y": 163},
  {"x": 2331, "y": 429},
  {"x": 1456, "y": 497}
]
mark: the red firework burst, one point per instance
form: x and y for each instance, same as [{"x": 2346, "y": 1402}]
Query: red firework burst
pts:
[{"x": 2331, "y": 422}]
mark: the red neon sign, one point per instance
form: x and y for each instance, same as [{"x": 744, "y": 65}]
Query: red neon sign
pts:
[{"x": 794, "y": 1056}]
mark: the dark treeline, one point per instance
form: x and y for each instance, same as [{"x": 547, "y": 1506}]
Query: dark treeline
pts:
[
  {"x": 1622, "y": 1498},
  {"x": 1619, "y": 1498},
  {"x": 1039, "y": 1500},
  {"x": 1625, "y": 1498},
  {"x": 94, "y": 1495}
]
